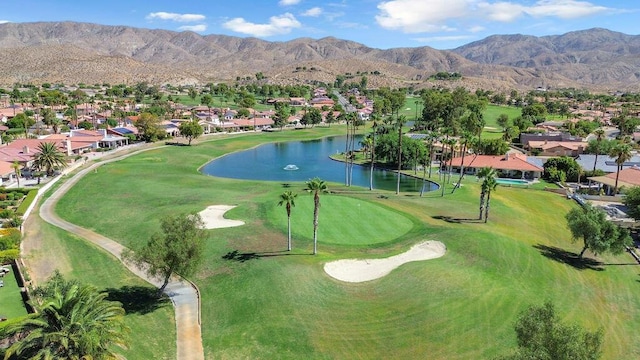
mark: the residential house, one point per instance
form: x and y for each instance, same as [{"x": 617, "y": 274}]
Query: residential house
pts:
[
  {"x": 124, "y": 131},
  {"x": 628, "y": 178},
  {"x": 7, "y": 173},
  {"x": 557, "y": 148},
  {"x": 298, "y": 101},
  {"x": 170, "y": 128},
  {"x": 605, "y": 163},
  {"x": 511, "y": 165},
  {"x": 525, "y": 138},
  {"x": 322, "y": 101}
]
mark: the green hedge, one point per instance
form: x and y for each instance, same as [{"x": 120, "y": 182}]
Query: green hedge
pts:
[
  {"x": 24, "y": 191},
  {"x": 26, "y": 202},
  {"x": 7, "y": 255}
]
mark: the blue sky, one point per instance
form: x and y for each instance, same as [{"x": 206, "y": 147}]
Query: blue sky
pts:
[{"x": 442, "y": 24}]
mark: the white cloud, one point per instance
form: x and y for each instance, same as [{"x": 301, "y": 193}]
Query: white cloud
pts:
[
  {"x": 176, "y": 17},
  {"x": 278, "y": 25},
  {"x": 475, "y": 29},
  {"x": 194, "y": 28},
  {"x": 313, "y": 12},
  {"x": 288, "y": 2},
  {"x": 4, "y": 21},
  {"x": 565, "y": 9},
  {"x": 414, "y": 16}
]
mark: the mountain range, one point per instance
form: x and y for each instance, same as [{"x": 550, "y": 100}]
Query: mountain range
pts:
[{"x": 71, "y": 52}]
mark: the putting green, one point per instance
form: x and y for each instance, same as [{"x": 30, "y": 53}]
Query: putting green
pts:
[{"x": 342, "y": 220}]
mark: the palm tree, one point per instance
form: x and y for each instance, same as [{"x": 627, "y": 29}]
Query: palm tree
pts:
[
  {"x": 466, "y": 139},
  {"x": 622, "y": 153},
  {"x": 599, "y": 133},
  {"x": 484, "y": 173},
  {"x": 488, "y": 185},
  {"x": 374, "y": 127},
  {"x": 49, "y": 158},
  {"x": 287, "y": 198},
  {"x": 400, "y": 120},
  {"x": 432, "y": 137},
  {"x": 77, "y": 323},
  {"x": 16, "y": 168},
  {"x": 316, "y": 186}
]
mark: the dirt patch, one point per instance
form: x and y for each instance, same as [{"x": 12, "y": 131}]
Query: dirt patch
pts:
[{"x": 39, "y": 252}]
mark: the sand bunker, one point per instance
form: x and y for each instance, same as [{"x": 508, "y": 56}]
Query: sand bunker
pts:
[
  {"x": 213, "y": 217},
  {"x": 356, "y": 270}
]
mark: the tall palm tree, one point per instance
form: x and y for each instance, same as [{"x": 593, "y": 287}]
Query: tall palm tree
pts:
[
  {"x": 400, "y": 120},
  {"x": 78, "y": 323},
  {"x": 49, "y": 158},
  {"x": 484, "y": 173},
  {"x": 489, "y": 184},
  {"x": 374, "y": 127},
  {"x": 599, "y": 133},
  {"x": 287, "y": 199},
  {"x": 466, "y": 138},
  {"x": 316, "y": 186},
  {"x": 432, "y": 137},
  {"x": 16, "y": 169},
  {"x": 622, "y": 153}
]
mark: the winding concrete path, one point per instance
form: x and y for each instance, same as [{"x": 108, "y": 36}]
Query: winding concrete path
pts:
[{"x": 184, "y": 295}]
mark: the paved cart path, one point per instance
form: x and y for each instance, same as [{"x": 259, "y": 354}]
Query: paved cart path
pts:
[{"x": 184, "y": 295}]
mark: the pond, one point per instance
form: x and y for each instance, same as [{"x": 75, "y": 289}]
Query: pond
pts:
[{"x": 303, "y": 160}]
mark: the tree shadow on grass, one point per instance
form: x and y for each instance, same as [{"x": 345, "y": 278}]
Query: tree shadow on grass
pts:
[
  {"x": 569, "y": 258},
  {"x": 453, "y": 220},
  {"x": 246, "y": 256},
  {"x": 137, "y": 299}
]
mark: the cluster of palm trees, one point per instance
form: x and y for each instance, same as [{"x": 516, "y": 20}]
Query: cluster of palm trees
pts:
[
  {"x": 315, "y": 186},
  {"x": 72, "y": 321}
]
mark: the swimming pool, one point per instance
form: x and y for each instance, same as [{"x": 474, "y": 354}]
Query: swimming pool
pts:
[{"x": 512, "y": 181}]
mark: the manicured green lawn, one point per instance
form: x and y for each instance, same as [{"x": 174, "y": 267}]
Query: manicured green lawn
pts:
[
  {"x": 492, "y": 130},
  {"x": 347, "y": 221},
  {"x": 11, "y": 305},
  {"x": 271, "y": 304}
]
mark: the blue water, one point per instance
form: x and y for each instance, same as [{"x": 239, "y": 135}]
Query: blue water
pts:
[
  {"x": 268, "y": 162},
  {"x": 512, "y": 181}
]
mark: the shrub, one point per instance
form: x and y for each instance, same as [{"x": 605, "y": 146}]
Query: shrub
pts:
[
  {"x": 10, "y": 239},
  {"x": 5, "y": 214},
  {"x": 15, "y": 221},
  {"x": 3, "y": 197},
  {"x": 9, "y": 255}
]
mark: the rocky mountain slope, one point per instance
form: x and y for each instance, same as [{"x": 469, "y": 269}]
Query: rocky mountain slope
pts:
[{"x": 71, "y": 52}]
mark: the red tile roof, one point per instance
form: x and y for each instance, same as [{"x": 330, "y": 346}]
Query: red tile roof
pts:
[
  {"x": 5, "y": 168},
  {"x": 499, "y": 162},
  {"x": 629, "y": 176}
]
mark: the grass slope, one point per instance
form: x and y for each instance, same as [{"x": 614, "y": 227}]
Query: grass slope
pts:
[
  {"x": 151, "y": 322},
  {"x": 261, "y": 302}
]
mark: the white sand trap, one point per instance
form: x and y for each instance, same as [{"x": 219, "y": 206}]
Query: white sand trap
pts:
[
  {"x": 213, "y": 217},
  {"x": 355, "y": 270}
]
